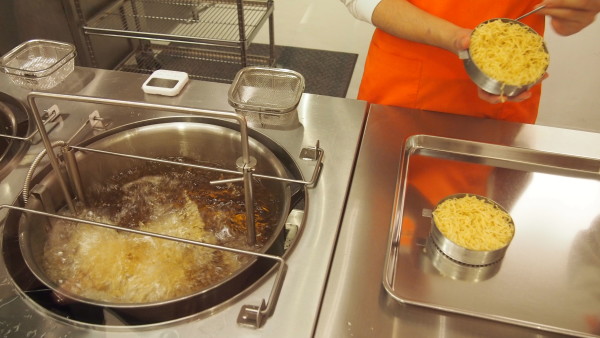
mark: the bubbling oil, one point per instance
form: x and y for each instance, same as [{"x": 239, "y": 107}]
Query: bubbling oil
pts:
[{"x": 120, "y": 267}]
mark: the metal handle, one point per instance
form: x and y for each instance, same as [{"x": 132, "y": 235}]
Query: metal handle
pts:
[
  {"x": 255, "y": 316},
  {"x": 530, "y": 12}
]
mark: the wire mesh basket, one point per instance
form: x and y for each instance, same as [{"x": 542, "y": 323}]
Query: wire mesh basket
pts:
[
  {"x": 39, "y": 64},
  {"x": 268, "y": 96}
]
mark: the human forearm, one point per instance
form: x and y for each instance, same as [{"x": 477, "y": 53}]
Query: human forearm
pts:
[{"x": 404, "y": 20}]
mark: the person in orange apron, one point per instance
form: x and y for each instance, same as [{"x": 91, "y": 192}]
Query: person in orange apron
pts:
[
  {"x": 412, "y": 62},
  {"x": 405, "y": 73}
]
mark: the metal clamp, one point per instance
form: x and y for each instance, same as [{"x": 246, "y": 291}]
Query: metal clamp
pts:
[
  {"x": 311, "y": 153},
  {"x": 97, "y": 122}
]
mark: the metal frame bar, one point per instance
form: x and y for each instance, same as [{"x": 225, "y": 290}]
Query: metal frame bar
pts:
[{"x": 311, "y": 182}]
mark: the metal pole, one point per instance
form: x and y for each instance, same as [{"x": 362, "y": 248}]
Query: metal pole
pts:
[
  {"x": 73, "y": 172},
  {"x": 50, "y": 152}
]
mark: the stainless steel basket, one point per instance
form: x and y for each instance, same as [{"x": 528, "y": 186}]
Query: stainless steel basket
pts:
[
  {"x": 267, "y": 96},
  {"x": 461, "y": 254},
  {"x": 453, "y": 269},
  {"x": 490, "y": 84},
  {"x": 39, "y": 64}
]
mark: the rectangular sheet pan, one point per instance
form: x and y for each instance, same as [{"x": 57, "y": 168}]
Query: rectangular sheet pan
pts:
[{"x": 550, "y": 276}]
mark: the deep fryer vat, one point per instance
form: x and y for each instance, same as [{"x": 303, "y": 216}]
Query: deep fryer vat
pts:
[{"x": 166, "y": 138}]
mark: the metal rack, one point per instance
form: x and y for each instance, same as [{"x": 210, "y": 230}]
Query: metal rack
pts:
[
  {"x": 190, "y": 60},
  {"x": 175, "y": 34}
]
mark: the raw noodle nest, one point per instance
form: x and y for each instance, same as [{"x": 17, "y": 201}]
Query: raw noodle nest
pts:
[
  {"x": 509, "y": 52},
  {"x": 474, "y": 223}
]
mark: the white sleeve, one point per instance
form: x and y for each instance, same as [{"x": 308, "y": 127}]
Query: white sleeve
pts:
[{"x": 361, "y": 9}]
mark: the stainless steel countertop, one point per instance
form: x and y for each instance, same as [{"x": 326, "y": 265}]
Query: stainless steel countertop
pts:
[
  {"x": 356, "y": 304},
  {"x": 336, "y": 123}
]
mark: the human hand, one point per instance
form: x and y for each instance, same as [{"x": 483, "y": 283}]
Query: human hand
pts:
[
  {"x": 593, "y": 323},
  {"x": 462, "y": 39},
  {"x": 494, "y": 99},
  {"x": 570, "y": 16}
]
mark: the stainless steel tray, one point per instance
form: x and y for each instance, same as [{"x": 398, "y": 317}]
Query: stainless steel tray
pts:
[{"x": 550, "y": 276}]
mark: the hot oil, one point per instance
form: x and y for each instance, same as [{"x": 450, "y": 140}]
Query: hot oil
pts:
[{"x": 117, "y": 266}]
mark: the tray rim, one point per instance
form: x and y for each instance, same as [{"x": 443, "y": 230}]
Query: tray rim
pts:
[{"x": 413, "y": 144}]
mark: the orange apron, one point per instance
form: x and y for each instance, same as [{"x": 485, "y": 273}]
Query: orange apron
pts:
[{"x": 413, "y": 75}]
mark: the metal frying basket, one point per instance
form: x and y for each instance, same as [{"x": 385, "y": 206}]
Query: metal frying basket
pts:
[
  {"x": 39, "y": 64},
  {"x": 267, "y": 96},
  {"x": 462, "y": 254}
]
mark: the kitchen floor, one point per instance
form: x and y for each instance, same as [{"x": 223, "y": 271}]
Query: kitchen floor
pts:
[{"x": 327, "y": 25}]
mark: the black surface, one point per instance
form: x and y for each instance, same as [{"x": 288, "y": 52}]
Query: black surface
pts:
[{"x": 325, "y": 72}]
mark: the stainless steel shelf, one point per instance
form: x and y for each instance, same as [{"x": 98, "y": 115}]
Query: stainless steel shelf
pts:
[
  {"x": 200, "y": 63},
  {"x": 231, "y": 24},
  {"x": 200, "y": 22}
]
